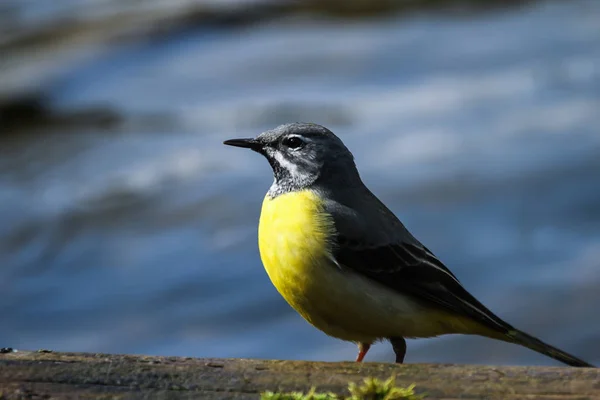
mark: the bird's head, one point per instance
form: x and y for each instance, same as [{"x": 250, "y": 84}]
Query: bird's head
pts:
[{"x": 302, "y": 154}]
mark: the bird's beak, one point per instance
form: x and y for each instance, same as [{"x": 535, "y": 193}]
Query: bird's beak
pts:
[{"x": 246, "y": 143}]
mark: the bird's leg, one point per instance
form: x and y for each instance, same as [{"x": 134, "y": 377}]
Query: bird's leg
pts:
[
  {"x": 399, "y": 346},
  {"x": 362, "y": 351}
]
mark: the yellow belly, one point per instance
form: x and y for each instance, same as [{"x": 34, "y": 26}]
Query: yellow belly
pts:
[
  {"x": 293, "y": 241},
  {"x": 295, "y": 251}
]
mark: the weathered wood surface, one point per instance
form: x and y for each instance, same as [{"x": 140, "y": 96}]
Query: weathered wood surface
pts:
[{"x": 35, "y": 375}]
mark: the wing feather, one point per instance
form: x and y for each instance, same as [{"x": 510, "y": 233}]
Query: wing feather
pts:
[
  {"x": 411, "y": 269},
  {"x": 394, "y": 258}
]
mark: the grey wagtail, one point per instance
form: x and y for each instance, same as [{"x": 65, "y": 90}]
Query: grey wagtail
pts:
[{"x": 344, "y": 261}]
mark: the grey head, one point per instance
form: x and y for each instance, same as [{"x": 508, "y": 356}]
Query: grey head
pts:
[{"x": 303, "y": 155}]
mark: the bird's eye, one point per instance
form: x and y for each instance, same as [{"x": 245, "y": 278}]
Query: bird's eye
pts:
[{"x": 293, "y": 142}]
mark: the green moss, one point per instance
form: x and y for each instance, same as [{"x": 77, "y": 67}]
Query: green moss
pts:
[
  {"x": 370, "y": 389},
  {"x": 311, "y": 395}
]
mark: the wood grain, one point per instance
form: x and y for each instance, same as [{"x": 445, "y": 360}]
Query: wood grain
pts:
[{"x": 35, "y": 375}]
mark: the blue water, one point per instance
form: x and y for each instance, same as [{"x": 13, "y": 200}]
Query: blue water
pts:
[{"x": 482, "y": 132}]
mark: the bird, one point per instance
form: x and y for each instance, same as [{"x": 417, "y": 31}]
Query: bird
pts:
[{"x": 347, "y": 264}]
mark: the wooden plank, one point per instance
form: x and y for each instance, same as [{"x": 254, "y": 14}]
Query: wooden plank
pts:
[{"x": 79, "y": 375}]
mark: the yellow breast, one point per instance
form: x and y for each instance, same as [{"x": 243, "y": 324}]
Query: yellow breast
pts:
[{"x": 293, "y": 238}]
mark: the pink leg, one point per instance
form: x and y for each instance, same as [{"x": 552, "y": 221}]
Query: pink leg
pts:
[{"x": 363, "y": 348}]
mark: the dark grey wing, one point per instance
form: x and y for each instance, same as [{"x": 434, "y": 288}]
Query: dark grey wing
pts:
[
  {"x": 410, "y": 269},
  {"x": 398, "y": 261}
]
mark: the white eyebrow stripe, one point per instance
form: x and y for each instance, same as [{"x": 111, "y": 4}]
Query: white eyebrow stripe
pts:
[{"x": 304, "y": 138}]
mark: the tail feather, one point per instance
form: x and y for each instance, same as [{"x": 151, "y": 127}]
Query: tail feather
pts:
[{"x": 535, "y": 344}]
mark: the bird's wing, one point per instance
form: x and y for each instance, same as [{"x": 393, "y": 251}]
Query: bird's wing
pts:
[{"x": 398, "y": 261}]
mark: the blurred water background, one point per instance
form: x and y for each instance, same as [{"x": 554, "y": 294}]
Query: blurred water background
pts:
[{"x": 126, "y": 225}]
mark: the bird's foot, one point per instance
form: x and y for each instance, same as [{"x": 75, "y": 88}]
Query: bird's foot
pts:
[
  {"x": 363, "y": 348},
  {"x": 399, "y": 346}
]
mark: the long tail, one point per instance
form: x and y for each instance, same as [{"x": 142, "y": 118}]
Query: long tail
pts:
[{"x": 534, "y": 344}]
